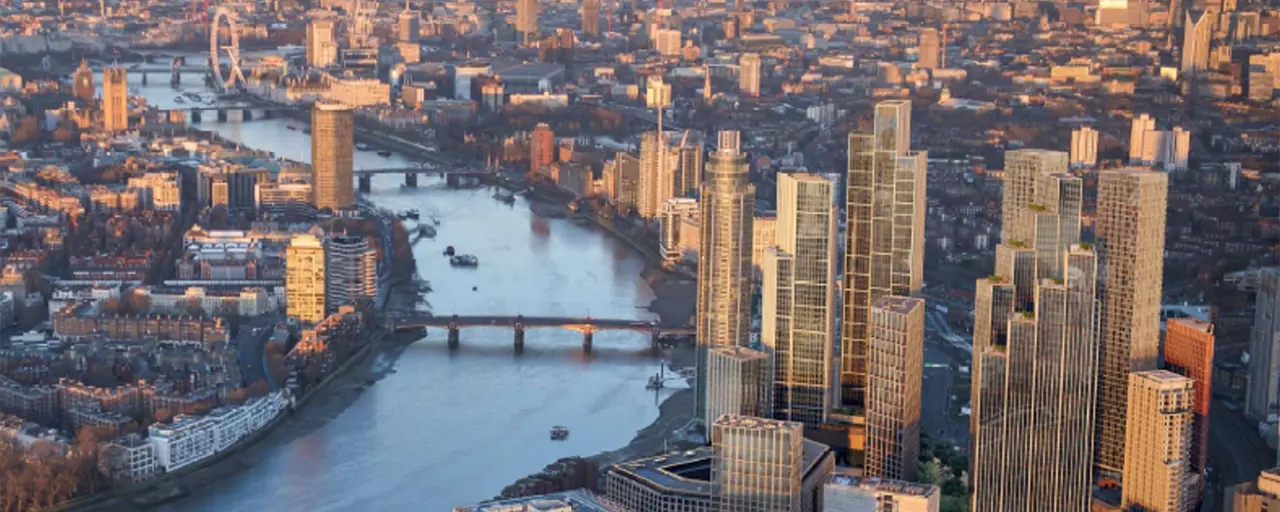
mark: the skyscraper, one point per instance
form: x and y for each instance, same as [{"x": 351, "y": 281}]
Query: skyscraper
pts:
[
  {"x": 738, "y": 382},
  {"x": 895, "y": 362},
  {"x": 305, "y": 279},
  {"x": 1129, "y": 229},
  {"x": 1084, "y": 147},
  {"x": 1188, "y": 351},
  {"x": 928, "y": 49},
  {"x": 724, "y": 261},
  {"x": 542, "y": 148},
  {"x": 757, "y": 464},
  {"x": 749, "y": 68},
  {"x": 332, "y": 151},
  {"x": 1263, "y": 397},
  {"x": 83, "y": 88},
  {"x": 1158, "y": 441},
  {"x": 527, "y": 20},
  {"x": 1197, "y": 36},
  {"x": 322, "y": 43},
  {"x": 351, "y": 268},
  {"x": 115, "y": 100},
  {"x": 689, "y": 172},
  {"x": 591, "y": 17},
  {"x": 799, "y": 299},
  {"x": 884, "y": 252},
  {"x": 658, "y": 166},
  {"x": 1033, "y": 407}
]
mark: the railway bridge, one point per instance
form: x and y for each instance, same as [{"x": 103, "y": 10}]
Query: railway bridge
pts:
[{"x": 519, "y": 323}]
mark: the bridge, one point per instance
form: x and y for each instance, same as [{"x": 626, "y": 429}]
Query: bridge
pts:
[
  {"x": 454, "y": 177},
  {"x": 235, "y": 113},
  {"x": 519, "y": 323}
]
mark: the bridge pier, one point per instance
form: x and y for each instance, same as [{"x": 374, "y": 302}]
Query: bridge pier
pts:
[
  {"x": 655, "y": 337},
  {"x": 196, "y": 116},
  {"x": 144, "y": 78},
  {"x": 365, "y": 183},
  {"x": 411, "y": 179},
  {"x": 222, "y": 115},
  {"x": 587, "y": 337},
  {"x": 246, "y": 115},
  {"x": 452, "y": 180},
  {"x": 453, "y": 336},
  {"x": 519, "y": 338},
  {"x": 175, "y": 78}
]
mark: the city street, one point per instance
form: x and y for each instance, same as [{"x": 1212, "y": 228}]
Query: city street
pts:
[
  {"x": 1236, "y": 452},
  {"x": 251, "y": 348}
]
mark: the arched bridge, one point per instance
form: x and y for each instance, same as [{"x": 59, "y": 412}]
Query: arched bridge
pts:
[
  {"x": 452, "y": 175},
  {"x": 519, "y": 323},
  {"x": 236, "y": 113}
]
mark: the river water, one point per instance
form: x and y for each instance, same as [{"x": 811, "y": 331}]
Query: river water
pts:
[{"x": 448, "y": 429}]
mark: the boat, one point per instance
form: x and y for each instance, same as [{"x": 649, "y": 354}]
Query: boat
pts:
[
  {"x": 179, "y": 100},
  {"x": 363, "y": 147},
  {"x": 384, "y": 153},
  {"x": 506, "y": 198},
  {"x": 474, "y": 288},
  {"x": 292, "y": 127},
  {"x": 426, "y": 232},
  {"x": 559, "y": 433},
  {"x": 448, "y": 251},
  {"x": 464, "y": 260},
  {"x": 654, "y": 382},
  {"x": 413, "y": 214}
]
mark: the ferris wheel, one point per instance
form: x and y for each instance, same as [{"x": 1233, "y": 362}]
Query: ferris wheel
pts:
[{"x": 223, "y": 17}]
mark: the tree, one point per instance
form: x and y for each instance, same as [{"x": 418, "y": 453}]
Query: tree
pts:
[
  {"x": 237, "y": 396},
  {"x": 259, "y": 388},
  {"x": 28, "y": 131}
]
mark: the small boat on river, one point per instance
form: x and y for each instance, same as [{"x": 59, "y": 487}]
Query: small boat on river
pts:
[
  {"x": 559, "y": 433},
  {"x": 464, "y": 260}
]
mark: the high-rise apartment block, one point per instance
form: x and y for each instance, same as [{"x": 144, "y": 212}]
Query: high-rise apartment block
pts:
[
  {"x": 799, "y": 299},
  {"x": 351, "y": 268},
  {"x": 1035, "y": 344},
  {"x": 527, "y": 20},
  {"x": 657, "y": 93},
  {"x": 1263, "y": 397},
  {"x": 542, "y": 148},
  {"x": 1084, "y": 147},
  {"x": 1166, "y": 149},
  {"x": 332, "y": 155},
  {"x": 322, "y": 43},
  {"x": 928, "y": 49},
  {"x": 884, "y": 252},
  {"x": 749, "y": 69},
  {"x": 115, "y": 100},
  {"x": 895, "y": 363},
  {"x": 844, "y": 493},
  {"x": 591, "y": 17},
  {"x": 758, "y": 464},
  {"x": 1137, "y": 132},
  {"x": 1129, "y": 229},
  {"x": 1158, "y": 441},
  {"x": 738, "y": 382},
  {"x": 305, "y": 279},
  {"x": 1035, "y": 378},
  {"x": 724, "y": 261},
  {"x": 1188, "y": 351},
  {"x": 658, "y": 166}
]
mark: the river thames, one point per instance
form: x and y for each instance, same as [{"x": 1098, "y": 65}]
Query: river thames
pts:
[{"x": 448, "y": 429}]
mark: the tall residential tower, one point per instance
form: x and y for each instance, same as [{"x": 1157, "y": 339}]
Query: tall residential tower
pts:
[
  {"x": 724, "y": 261},
  {"x": 799, "y": 299},
  {"x": 332, "y": 153},
  {"x": 884, "y": 252}
]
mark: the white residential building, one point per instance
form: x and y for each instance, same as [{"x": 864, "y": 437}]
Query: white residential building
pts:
[
  {"x": 159, "y": 190},
  {"x": 1084, "y": 147},
  {"x": 190, "y": 439}
]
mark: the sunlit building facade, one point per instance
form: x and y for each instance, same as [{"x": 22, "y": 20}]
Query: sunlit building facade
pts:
[
  {"x": 895, "y": 364},
  {"x": 305, "y": 279},
  {"x": 332, "y": 155},
  {"x": 1158, "y": 444}
]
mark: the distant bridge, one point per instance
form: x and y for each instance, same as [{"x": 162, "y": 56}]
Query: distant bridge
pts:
[
  {"x": 452, "y": 176},
  {"x": 235, "y": 113},
  {"x": 519, "y": 323}
]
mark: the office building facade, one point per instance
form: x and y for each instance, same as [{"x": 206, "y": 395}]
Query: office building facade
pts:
[
  {"x": 1084, "y": 147},
  {"x": 332, "y": 155},
  {"x": 1129, "y": 229},
  {"x": 542, "y": 148},
  {"x": 738, "y": 382},
  {"x": 527, "y": 20},
  {"x": 758, "y": 464},
  {"x": 928, "y": 49},
  {"x": 322, "y": 43},
  {"x": 844, "y": 493},
  {"x": 590, "y": 17},
  {"x": 1157, "y": 448},
  {"x": 749, "y": 70},
  {"x": 724, "y": 261},
  {"x": 895, "y": 362},
  {"x": 884, "y": 252},
  {"x": 799, "y": 299},
  {"x": 351, "y": 269},
  {"x": 658, "y": 166}
]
